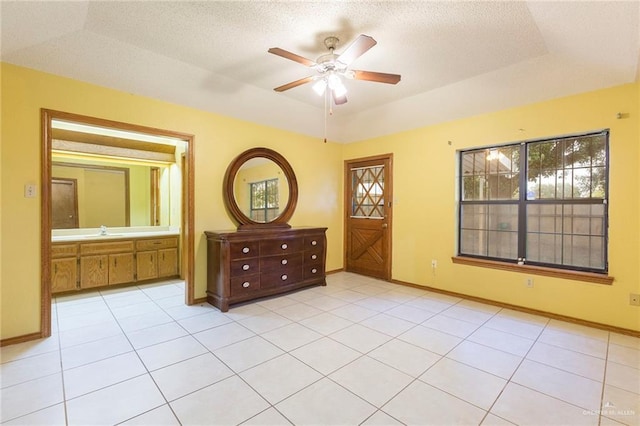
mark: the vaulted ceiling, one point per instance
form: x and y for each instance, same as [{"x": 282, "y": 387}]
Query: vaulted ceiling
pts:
[{"x": 456, "y": 59}]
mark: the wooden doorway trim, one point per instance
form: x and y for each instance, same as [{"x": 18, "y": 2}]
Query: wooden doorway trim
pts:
[
  {"x": 387, "y": 160},
  {"x": 187, "y": 231}
]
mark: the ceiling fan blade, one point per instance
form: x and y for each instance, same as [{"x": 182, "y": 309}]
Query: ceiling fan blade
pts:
[
  {"x": 378, "y": 77},
  {"x": 339, "y": 100},
  {"x": 292, "y": 56},
  {"x": 293, "y": 84},
  {"x": 357, "y": 49}
]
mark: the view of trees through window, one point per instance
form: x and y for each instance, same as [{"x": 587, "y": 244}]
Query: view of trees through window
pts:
[
  {"x": 541, "y": 201},
  {"x": 264, "y": 200}
]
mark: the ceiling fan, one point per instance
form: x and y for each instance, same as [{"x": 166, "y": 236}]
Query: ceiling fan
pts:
[{"x": 331, "y": 67}]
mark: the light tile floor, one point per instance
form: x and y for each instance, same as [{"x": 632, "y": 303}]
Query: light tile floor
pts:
[{"x": 358, "y": 351}]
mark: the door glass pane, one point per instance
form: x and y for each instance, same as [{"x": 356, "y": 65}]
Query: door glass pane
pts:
[{"x": 367, "y": 188}]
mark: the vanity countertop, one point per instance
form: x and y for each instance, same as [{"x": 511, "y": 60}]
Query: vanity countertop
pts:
[{"x": 112, "y": 234}]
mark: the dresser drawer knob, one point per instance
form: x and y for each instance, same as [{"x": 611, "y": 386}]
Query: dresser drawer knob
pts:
[
  {"x": 246, "y": 284},
  {"x": 245, "y": 267},
  {"x": 284, "y": 277},
  {"x": 245, "y": 250},
  {"x": 314, "y": 257},
  {"x": 314, "y": 270},
  {"x": 284, "y": 246},
  {"x": 314, "y": 243},
  {"x": 284, "y": 261}
]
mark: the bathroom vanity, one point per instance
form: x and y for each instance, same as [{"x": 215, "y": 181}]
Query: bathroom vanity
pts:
[{"x": 94, "y": 261}]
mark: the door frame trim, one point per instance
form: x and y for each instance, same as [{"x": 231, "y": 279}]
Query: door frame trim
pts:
[
  {"x": 46, "y": 115},
  {"x": 387, "y": 185}
]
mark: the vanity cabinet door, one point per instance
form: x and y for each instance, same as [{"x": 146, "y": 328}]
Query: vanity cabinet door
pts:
[
  {"x": 64, "y": 274},
  {"x": 120, "y": 268},
  {"x": 167, "y": 262},
  {"x": 94, "y": 271},
  {"x": 147, "y": 265}
]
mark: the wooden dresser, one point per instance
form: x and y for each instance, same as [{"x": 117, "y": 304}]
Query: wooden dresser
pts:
[{"x": 248, "y": 264}]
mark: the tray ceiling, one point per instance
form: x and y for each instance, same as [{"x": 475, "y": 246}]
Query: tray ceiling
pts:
[{"x": 457, "y": 59}]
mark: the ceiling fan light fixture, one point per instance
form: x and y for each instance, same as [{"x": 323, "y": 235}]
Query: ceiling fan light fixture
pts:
[
  {"x": 339, "y": 90},
  {"x": 320, "y": 86}
]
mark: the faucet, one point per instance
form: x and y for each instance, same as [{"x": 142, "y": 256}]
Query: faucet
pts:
[{"x": 103, "y": 230}]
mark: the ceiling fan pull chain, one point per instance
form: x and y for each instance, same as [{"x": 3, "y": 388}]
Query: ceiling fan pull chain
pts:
[{"x": 326, "y": 97}]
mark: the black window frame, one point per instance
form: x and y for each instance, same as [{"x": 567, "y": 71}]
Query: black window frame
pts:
[{"x": 522, "y": 202}]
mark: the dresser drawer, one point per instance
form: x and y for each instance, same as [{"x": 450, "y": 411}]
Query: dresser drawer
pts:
[
  {"x": 245, "y": 249},
  {"x": 285, "y": 261},
  {"x": 312, "y": 256},
  {"x": 245, "y": 285},
  {"x": 280, "y": 246},
  {"x": 244, "y": 267},
  {"x": 314, "y": 242},
  {"x": 313, "y": 271},
  {"x": 280, "y": 278}
]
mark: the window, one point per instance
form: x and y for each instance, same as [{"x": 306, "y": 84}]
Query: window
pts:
[
  {"x": 264, "y": 200},
  {"x": 540, "y": 202}
]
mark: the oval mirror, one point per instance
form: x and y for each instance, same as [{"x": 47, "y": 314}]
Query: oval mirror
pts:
[{"x": 260, "y": 189}]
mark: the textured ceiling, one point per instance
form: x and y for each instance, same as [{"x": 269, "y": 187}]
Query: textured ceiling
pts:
[{"x": 456, "y": 58}]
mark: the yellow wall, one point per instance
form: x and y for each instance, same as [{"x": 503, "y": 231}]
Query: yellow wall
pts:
[
  {"x": 424, "y": 217},
  {"x": 424, "y": 225},
  {"x": 218, "y": 140}
]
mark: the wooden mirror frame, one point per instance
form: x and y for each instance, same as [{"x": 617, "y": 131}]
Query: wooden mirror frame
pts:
[{"x": 229, "y": 193}]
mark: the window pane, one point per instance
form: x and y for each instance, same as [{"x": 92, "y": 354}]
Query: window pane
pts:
[
  {"x": 490, "y": 230},
  {"x": 367, "y": 186},
  {"x": 491, "y": 174},
  {"x": 566, "y": 234},
  {"x": 567, "y": 168}
]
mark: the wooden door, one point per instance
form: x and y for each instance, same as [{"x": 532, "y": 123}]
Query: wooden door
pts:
[
  {"x": 94, "y": 271},
  {"x": 167, "y": 262},
  {"x": 147, "y": 265},
  {"x": 64, "y": 276},
  {"x": 64, "y": 203},
  {"x": 120, "y": 268},
  {"x": 368, "y": 193}
]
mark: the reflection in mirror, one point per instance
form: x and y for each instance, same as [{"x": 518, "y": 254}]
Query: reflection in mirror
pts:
[
  {"x": 102, "y": 176},
  {"x": 261, "y": 189}
]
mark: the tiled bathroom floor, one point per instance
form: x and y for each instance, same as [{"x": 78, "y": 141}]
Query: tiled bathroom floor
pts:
[{"x": 359, "y": 351}]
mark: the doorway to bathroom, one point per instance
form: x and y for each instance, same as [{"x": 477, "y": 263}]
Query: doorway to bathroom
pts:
[{"x": 158, "y": 195}]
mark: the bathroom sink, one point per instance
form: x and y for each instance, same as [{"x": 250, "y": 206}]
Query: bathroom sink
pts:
[{"x": 102, "y": 236}]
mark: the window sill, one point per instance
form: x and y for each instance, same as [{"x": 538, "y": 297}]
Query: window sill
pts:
[{"x": 589, "y": 277}]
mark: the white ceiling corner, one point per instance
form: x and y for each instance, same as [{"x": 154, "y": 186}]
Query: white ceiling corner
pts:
[{"x": 456, "y": 58}]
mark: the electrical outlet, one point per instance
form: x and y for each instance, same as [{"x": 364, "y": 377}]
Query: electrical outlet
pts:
[
  {"x": 634, "y": 299},
  {"x": 529, "y": 282},
  {"x": 434, "y": 263}
]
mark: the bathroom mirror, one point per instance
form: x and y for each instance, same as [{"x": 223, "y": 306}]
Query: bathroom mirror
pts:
[
  {"x": 260, "y": 189},
  {"x": 105, "y": 176}
]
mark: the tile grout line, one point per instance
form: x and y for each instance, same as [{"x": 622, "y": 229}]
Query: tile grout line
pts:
[
  {"x": 148, "y": 373},
  {"x": 604, "y": 379},
  {"x": 515, "y": 370},
  {"x": 64, "y": 392}
]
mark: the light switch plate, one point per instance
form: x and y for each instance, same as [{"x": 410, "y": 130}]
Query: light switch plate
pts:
[{"x": 30, "y": 190}]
